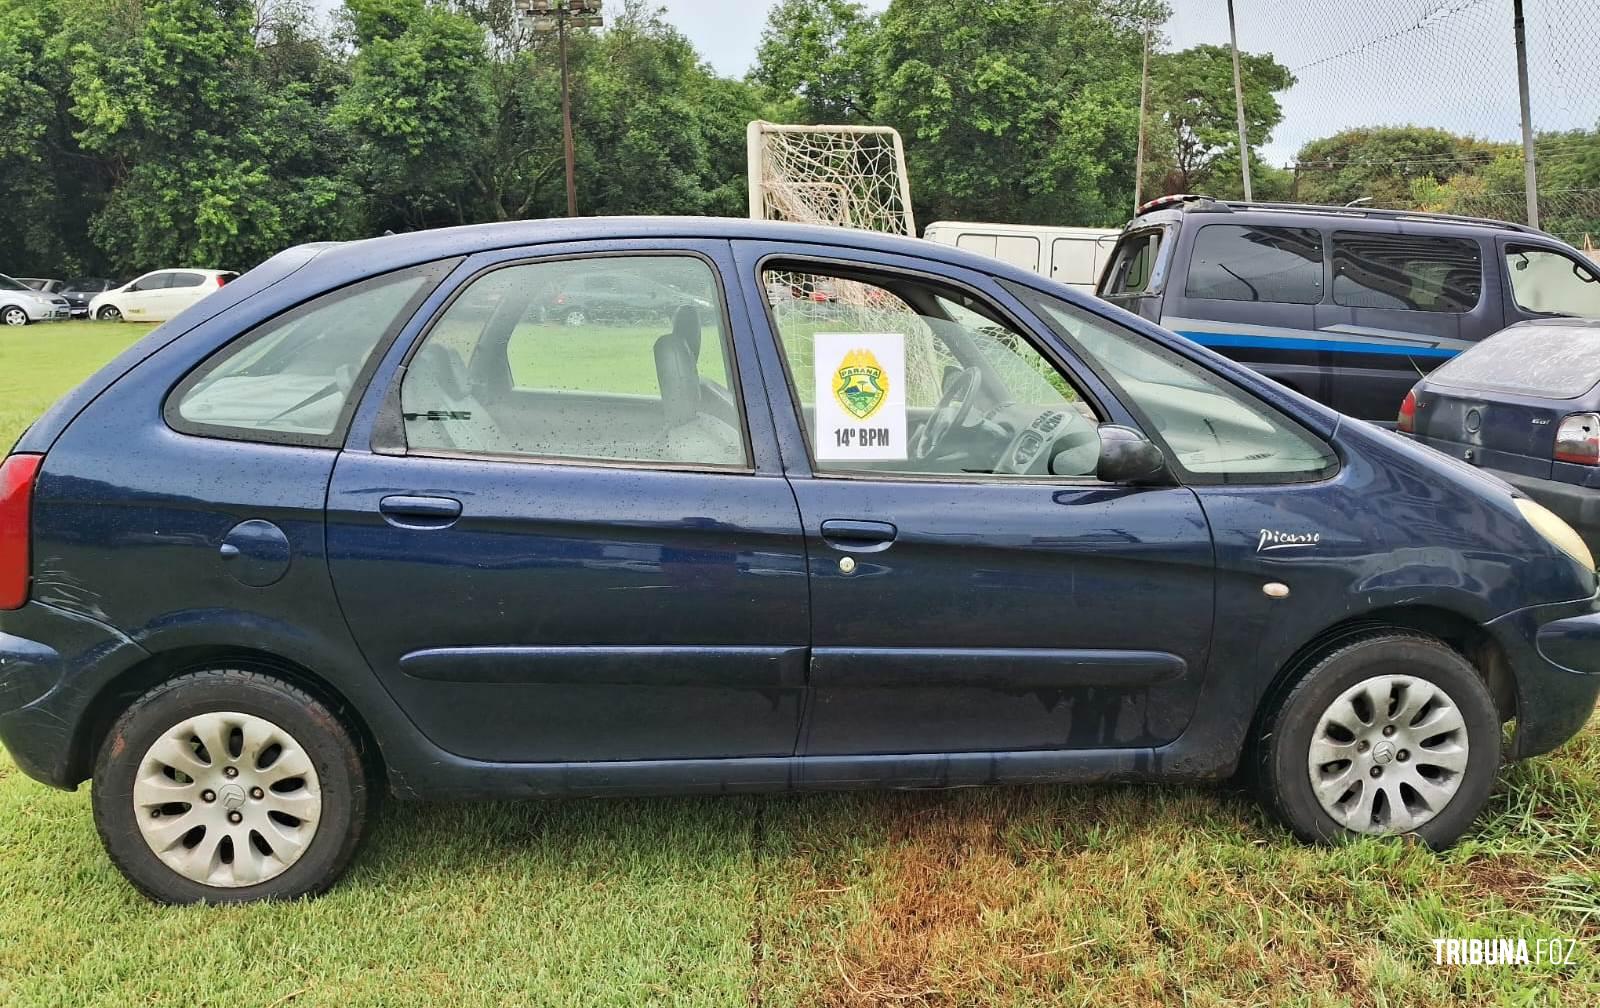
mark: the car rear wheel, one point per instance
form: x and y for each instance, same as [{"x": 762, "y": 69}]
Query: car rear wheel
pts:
[
  {"x": 11, "y": 315},
  {"x": 1392, "y": 734},
  {"x": 109, "y": 313},
  {"x": 229, "y": 786}
]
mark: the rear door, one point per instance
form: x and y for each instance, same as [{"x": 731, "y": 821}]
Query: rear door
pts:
[
  {"x": 1401, "y": 305},
  {"x": 573, "y": 542},
  {"x": 1136, "y": 275},
  {"x": 973, "y": 586},
  {"x": 184, "y": 288}
]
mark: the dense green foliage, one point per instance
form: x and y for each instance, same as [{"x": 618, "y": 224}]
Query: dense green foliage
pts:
[{"x": 216, "y": 132}]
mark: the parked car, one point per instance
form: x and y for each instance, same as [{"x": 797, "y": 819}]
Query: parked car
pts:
[
  {"x": 1073, "y": 255},
  {"x": 21, "y": 304},
  {"x": 1525, "y": 406},
  {"x": 616, "y": 297},
  {"x": 157, "y": 296},
  {"x": 1345, "y": 305},
  {"x": 77, "y": 291},
  {"x": 339, "y": 524}
]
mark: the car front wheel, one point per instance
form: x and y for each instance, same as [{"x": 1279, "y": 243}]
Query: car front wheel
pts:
[
  {"x": 1392, "y": 734},
  {"x": 229, "y": 786},
  {"x": 11, "y": 315},
  {"x": 109, "y": 313}
]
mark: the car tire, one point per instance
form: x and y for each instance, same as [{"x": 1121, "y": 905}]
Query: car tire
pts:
[
  {"x": 263, "y": 824},
  {"x": 12, "y": 315},
  {"x": 109, "y": 313},
  {"x": 1406, "y": 736}
]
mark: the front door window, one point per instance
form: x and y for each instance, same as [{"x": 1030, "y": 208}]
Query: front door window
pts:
[{"x": 1545, "y": 282}]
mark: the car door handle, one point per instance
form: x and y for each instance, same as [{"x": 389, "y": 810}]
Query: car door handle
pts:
[
  {"x": 862, "y": 536},
  {"x": 419, "y": 512}
]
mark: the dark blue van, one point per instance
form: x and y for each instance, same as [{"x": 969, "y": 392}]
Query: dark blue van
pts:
[
  {"x": 373, "y": 518},
  {"x": 1347, "y": 305}
]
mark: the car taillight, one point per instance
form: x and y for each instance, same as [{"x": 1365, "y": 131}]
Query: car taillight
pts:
[
  {"x": 561, "y": 298},
  {"x": 1407, "y": 424},
  {"x": 221, "y": 280},
  {"x": 16, "y": 504},
  {"x": 1578, "y": 439}
]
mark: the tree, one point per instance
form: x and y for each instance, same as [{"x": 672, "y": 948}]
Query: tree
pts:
[
  {"x": 1385, "y": 164},
  {"x": 818, "y": 59},
  {"x": 1193, "y": 121}
]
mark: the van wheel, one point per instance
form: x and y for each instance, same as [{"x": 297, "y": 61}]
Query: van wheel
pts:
[
  {"x": 1393, "y": 734},
  {"x": 229, "y": 786}
]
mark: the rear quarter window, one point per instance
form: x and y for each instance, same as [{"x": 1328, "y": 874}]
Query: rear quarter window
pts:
[
  {"x": 1231, "y": 262},
  {"x": 1550, "y": 361}
]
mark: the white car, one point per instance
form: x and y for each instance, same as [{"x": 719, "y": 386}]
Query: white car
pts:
[
  {"x": 21, "y": 304},
  {"x": 157, "y": 296}
]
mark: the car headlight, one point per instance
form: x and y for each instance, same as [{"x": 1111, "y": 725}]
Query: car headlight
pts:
[{"x": 1561, "y": 535}]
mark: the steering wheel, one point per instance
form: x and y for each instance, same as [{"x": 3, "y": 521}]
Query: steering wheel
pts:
[{"x": 953, "y": 409}]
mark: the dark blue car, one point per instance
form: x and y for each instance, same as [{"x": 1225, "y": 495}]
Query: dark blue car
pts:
[
  {"x": 370, "y": 518},
  {"x": 1524, "y": 405}
]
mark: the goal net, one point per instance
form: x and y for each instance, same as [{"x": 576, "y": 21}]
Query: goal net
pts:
[{"x": 848, "y": 176}]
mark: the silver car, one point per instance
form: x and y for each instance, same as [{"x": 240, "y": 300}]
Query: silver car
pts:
[{"x": 21, "y": 304}]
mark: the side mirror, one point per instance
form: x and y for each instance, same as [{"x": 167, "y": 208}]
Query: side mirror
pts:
[{"x": 1127, "y": 456}]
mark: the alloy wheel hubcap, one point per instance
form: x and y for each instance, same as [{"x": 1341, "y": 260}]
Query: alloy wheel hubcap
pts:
[
  {"x": 227, "y": 799},
  {"x": 1388, "y": 755}
]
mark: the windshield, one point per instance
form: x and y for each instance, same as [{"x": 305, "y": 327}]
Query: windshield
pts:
[
  {"x": 6, "y": 283},
  {"x": 1553, "y": 361}
]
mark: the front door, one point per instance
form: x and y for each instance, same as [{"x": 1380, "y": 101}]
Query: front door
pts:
[
  {"x": 571, "y": 545},
  {"x": 973, "y": 586},
  {"x": 141, "y": 302}
]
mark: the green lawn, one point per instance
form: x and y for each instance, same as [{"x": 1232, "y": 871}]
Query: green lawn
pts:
[{"x": 1104, "y": 896}]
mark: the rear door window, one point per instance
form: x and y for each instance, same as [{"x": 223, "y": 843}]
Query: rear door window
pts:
[
  {"x": 1133, "y": 265},
  {"x": 1406, "y": 272},
  {"x": 1554, "y": 361},
  {"x": 1231, "y": 262},
  {"x": 1550, "y": 283}
]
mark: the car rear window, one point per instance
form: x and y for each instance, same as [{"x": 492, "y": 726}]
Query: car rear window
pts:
[
  {"x": 1134, "y": 262},
  {"x": 1553, "y": 361}
]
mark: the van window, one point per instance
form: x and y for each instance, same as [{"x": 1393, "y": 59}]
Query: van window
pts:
[
  {"x": 1548, "y": 282},
  {"x": 1406, "y": 272},
  {"x": 1231, "y": 262},
  {"x": 1134, "y": 262},
  {"x": 1018, "y": 250}
]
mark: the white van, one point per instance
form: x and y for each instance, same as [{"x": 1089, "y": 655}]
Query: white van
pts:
[{"x": 1072, "y": 255}]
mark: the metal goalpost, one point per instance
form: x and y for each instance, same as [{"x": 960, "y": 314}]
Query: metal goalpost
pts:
[{"x": 848, "y": 176}]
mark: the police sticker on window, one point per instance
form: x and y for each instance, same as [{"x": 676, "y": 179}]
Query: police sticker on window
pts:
[{"x": 860, "y": 395}]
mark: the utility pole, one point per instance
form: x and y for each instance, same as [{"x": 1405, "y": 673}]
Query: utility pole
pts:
[
  {"x": 1238, "y": 104},
  {"x": 560, "y": 17},
  {"x": 1144, "y": 90},
  {"x": 1530, "y": 172}
]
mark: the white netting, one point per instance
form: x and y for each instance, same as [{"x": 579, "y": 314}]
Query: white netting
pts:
[{"x": 849, "y": 176}]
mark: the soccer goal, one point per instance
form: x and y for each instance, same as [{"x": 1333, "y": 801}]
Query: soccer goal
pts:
[{"x": 849, "y": 176}]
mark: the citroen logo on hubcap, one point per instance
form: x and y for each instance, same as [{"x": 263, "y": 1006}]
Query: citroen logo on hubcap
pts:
[
  {"x": 231, "y": 796},
  {"x": 1383, "y": 753}
]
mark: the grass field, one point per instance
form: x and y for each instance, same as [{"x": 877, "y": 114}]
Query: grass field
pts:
[{"x": 1103, "y": 896}]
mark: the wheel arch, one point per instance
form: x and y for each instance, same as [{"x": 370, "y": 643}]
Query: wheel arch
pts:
[
  {"x": 1460, "y": 633},
  {"x": 114, "y": 697}
]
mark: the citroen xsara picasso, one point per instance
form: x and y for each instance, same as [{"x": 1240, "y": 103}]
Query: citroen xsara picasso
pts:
[{"x": 370, "y": 519}]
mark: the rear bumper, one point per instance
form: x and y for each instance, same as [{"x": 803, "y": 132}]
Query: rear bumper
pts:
[
  {"x": 1578, "y": 506},
  {"x": 1554, "y": 652},
  {"x": 52, "y": 665}
]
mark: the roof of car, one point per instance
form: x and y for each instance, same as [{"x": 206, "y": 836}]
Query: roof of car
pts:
[
  {"x": 471, "y": 238},
  {"x": 1182, "y": 204}
]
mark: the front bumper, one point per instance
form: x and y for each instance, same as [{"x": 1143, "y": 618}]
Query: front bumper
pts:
[
  {"x": 1576, "y": 505},
  {"x": 52, "y": 665},
  {"x": 1554, "y": 651}
]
